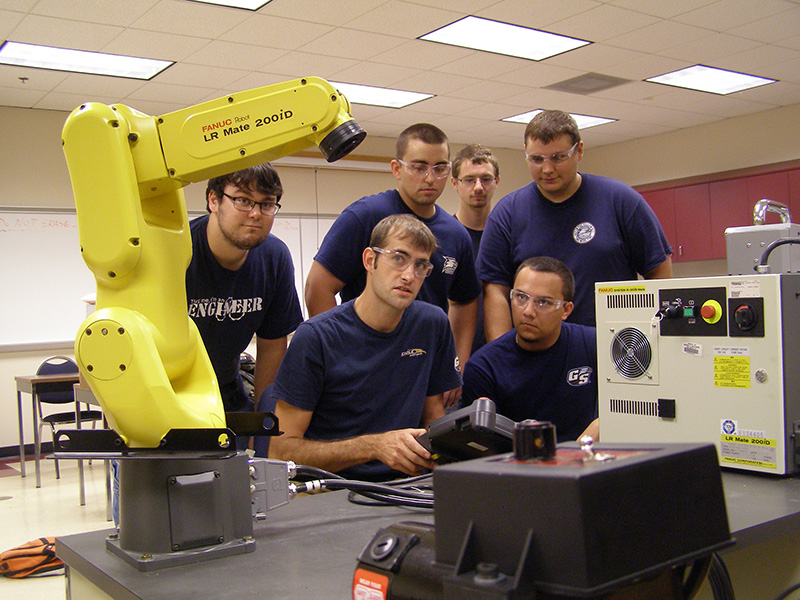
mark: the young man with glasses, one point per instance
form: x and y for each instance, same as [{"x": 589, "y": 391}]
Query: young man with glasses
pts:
[
  {"x": 361, "y": 382},
  {"x": 476, "y": 174},
  {"x": 240, "y": 281},
  {"x": 421, "y": 168},
  {"x": 601, "y": 228},
  {"x": 544, "y": 368}
]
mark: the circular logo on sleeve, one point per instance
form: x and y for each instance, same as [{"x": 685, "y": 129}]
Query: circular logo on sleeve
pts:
[{"x": 584, "y": 232}]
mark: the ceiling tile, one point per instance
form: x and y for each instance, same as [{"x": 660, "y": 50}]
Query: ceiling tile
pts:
[
  {"x": 189, "y": 18},
  {"x": 23, "y": 97},
  {"x": 601, "y": 23},
  {"x": 34, "y": 79},
  {"x": 298, "y": 64},
  {"x": 422, "y": 54},
  {"x": 50, "y": 31},
  {"x": 404, "y": 19},
  {"x": 275, "y": 32},
  {"x": 771, "y": 29},
  {"x": 375, "y": 74},
  {"x": 538, "y": 14},
  {"x": 661, "y": 9},
  {"x": 727, "y": 14},
  {"x": 9, "y": 21},
  {"x": 92, "y": 87},
  {"x": 659, "y": 36},
  {"x": 219, "y": 53},
  {"x": 154, "y": 44},
  {"x": 314, "y": 11},
  {"x": 484, "y": 65},
  {"x": 180, "y": 94},
  {"x": 350, "y": 43},
  {"x": 110, "y": 12},
  {"x": 708, "y": 49},
  {"x": 434, "y": 82}
]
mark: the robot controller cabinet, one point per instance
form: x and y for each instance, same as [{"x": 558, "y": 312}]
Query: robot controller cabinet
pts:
[{"x": 704, "y": 359}]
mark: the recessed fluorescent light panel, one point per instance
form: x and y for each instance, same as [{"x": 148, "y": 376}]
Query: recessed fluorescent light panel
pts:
[
  {"x": 375, "y": 96},
  {"x": 709, "y": 79},
  {"x": 80, "y": 61},
  {"x": 503, "y": 38},
  {"x": 246, "y": 4},
  {"x": 583, "y": 121}
]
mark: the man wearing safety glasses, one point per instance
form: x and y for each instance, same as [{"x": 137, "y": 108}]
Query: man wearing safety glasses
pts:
[
  {"x": 362, "y": 381},
  {"x": 601, "y": 228},
  {"x": 421, "y": 168},
  {"x": 240, "y": 281},
  {"x": 544, "y": 368}
]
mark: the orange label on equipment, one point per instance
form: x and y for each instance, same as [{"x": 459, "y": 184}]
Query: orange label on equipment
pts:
[{"x": 369, "y": 586}]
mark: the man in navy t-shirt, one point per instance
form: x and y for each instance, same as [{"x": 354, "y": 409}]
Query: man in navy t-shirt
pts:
[
  {"x": 544, "y": 368},
  {"x": 602, "y": 229},
  {"x": 421, "y": 168},
  {"x": 476, "y": 174},
  {"x": 361, "y": 381},
  {"x": 240, "y": 281}
]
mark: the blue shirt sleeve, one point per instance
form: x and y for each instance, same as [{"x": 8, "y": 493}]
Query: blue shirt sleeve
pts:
[
  {"x": 495, "y": 261},
  {"x": 283, "y": 314},
  {"x": 304, "y": 355},
  {"x": 341, "y": 249}
]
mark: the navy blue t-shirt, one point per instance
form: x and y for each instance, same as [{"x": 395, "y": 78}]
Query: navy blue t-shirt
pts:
[
  {"x": 360, "y": 381},
  {"x": 230, "y": 306},
  {"x": 480, "y": 334},
  {"x": 557, "y": 385},
  {"x": 604, "y": 232},
  {"x": 453, "y": 275}
]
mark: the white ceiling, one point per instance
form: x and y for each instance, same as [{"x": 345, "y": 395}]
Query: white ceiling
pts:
[{"x": 220, "y": 50}]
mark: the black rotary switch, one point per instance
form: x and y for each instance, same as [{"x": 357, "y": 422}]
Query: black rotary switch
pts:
[
  {"x": 534, "y": 440},
  {"x": 745, "y": 317}
]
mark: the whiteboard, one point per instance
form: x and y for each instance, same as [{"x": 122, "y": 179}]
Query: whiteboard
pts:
[{"x": 44, "y": 277}]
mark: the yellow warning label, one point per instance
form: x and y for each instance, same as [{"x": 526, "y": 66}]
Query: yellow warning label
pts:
[
  {"x": 732, "y": 372},
  {"x": 621, "y": 289}
]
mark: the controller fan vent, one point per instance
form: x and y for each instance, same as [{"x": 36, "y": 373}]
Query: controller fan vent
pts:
[{"x": 631, "y": 353}]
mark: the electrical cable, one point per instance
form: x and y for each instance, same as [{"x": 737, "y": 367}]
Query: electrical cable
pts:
[
  {"x": 694, "y": 579},
  {"x": 409, "y": 492},
  {"x": 720, "y": 580},
  {"x": 785, "y": 593}
]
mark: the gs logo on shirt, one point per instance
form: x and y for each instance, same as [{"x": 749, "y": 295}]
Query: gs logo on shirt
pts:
[
  {"x": 583, "y": 232},
  {"x": 579, "y": 376}
]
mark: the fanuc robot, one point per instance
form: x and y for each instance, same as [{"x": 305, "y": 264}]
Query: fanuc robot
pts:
[{"x": 140, "y": 352}]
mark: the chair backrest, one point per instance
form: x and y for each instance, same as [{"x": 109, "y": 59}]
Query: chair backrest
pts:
[{"x": 56, "y": 365}]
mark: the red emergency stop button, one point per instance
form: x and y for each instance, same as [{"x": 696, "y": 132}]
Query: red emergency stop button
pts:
[{"x": 711, "y": 311}]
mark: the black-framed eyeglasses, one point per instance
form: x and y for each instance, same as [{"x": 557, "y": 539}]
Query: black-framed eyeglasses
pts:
[
  {"x": 420, "y": 169},
  {"x": 486, "y": 181},
  {"x": 555, "y": 159},
  {"x": 540, "y": 303},
  {"x": 268, "y": 209},
  {"x": 401, "y": 260}
]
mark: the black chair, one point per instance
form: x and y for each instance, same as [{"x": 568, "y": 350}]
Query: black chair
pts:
[{"x": 56, "y": 365}]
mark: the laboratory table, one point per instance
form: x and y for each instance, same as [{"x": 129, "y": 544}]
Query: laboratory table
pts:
[
  {"x": 35, "y": 385},
  {"x": 308, "y": 549}
]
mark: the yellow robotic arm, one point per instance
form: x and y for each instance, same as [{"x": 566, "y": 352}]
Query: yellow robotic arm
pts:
[{"x": 139, "y": 351}]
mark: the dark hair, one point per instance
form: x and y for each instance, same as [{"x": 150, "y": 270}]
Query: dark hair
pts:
[
  {"x": 425, "y": 132},
  {"x": 260, "y": 178},
  {"x": 548, "y": 264},
  {"x": 477, "y": 154},
  {"x": 550, "y": 124},
  {"x": 405, "y": 227}
]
